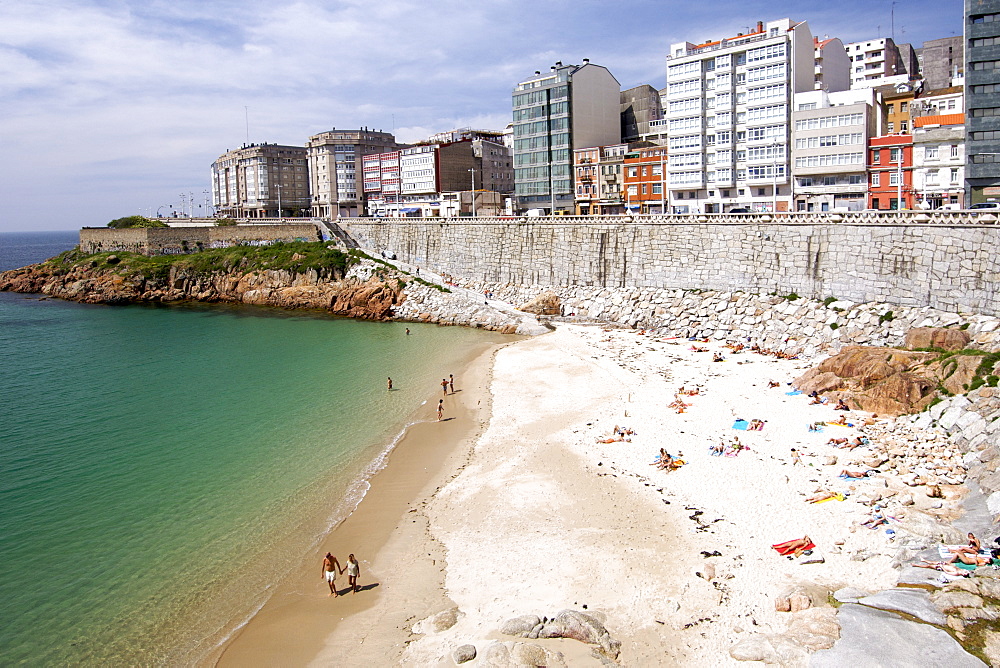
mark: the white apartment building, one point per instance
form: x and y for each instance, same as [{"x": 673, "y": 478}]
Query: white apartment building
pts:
[
  {"x": 830, "y": 134},
  {"x": 832, "y": 65},
  {"x": 939, "y": 148},
  {"x": 875, "y": 62},
  {"x": 728, "y": 111}
]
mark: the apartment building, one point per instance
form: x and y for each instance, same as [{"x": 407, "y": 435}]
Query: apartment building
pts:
[
  {"x": 335, "y": 175},
  {"x": 832, "y": 66},
  {"x": 942, "y": 62},
  {"x": 728, "y": 109},
  {"x": 426, "y": 179},
  {"x": 639, "y": 106},
  {"x": 600, "y": 185},
  {"x": 897, "y": 104},
  {"x": 645, "y": 176},
  {"x": 875, "y": 62},
  {"x": 939, "y": 149},
  {"x": 261, "y": 181},
  {"x": 566, "y": 108},
  {"x": 831, "y": 132},
  {"x": 982, "y": 88},
  {"x": 890, "y": 172}
]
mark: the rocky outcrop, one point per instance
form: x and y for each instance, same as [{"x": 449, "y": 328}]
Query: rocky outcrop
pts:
[
  {"x": 368, "y": 290},
  {"x": 567, "y": 624},
  {"x": 546, "y": 303},
  {"x": 889, "y": 381}
]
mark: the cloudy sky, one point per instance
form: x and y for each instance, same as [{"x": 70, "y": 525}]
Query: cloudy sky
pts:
[{"x": 115, "y": 107}]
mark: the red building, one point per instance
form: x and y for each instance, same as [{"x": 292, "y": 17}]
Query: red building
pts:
[
  {"x": 890, "y": 172},
  {"x": 645, "y": 180}
]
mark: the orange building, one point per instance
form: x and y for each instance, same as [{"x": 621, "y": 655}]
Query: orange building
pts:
[{"x": 645, "y": 180}]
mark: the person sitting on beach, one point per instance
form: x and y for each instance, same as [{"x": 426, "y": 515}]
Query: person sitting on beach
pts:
[
  {"x": 666, "y": 461},
  {"x": 659, "y": 457},
  {"x": 717, "y": 449},
  {"x": 837, "y": 441},
  {"x": 717, "y": 357},
  {"x": 818, "y": 400},
  {"x": 842, "y": 420},
  {"x": 815, "y": 426},
  {"x": 845, "y": 474},
  {"x": 841, "y": 406},
  {"x": 876, "y": 520},
  {"x": 796, "y": 457},
  {"x": 773, "y": 383}
]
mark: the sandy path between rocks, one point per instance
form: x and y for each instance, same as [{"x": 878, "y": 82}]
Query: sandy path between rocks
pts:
[{"x": 543, "y": 518}]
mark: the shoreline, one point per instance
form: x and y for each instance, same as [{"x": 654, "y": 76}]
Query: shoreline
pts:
[{"x": 299, "y": 620}]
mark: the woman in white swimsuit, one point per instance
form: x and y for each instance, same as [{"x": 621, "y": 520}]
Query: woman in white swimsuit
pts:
[{"x": 353, "y": 570}]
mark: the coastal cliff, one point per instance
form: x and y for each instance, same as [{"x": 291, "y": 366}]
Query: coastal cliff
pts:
[
  {"x": 372, "y": 298},
  {"x": 299, "y": 275}
]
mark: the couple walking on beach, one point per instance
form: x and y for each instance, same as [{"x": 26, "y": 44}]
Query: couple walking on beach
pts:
[{"x": 331, "y": 568}]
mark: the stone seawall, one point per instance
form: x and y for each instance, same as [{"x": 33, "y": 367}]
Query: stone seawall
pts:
[
  {"x": 945, "y": 263},
  {"x": 170, "y": 240}
]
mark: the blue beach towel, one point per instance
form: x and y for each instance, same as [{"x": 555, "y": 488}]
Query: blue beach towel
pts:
[
  {"x": 793, "y": 393},
  {"x": 741, "y": 425}
]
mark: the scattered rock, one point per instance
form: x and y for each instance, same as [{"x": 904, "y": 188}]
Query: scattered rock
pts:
[{"x": 464, "y": 653}]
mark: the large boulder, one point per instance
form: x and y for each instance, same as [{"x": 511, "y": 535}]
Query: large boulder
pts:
[
  {"x": 937, "y": 337},
  {"x": 546, "y": 303}
]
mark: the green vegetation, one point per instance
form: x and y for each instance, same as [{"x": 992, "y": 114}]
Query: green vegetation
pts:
[
  {"x": 829, "y": 300},
  {"x": 888, "y": 316},
  {"x": 225, "y": 222},
  {"x": 297, "y": 257},
  {"x": 964, "y": 326},
  {"x": 361, "y": 254},
  {"x": 135, "y": 221},
  {"x": 834, "y": 325},
  {"x": 791, "y": 296}
]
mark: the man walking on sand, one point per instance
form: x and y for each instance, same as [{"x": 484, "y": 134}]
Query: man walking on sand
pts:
[
  {"x": 330, "y": 568},
  {"x": 451, "y": 382},
  {"x": 440, "y": 409},
  {"x": 390, "y": 383},
  {"x": 444, "y": 386}
]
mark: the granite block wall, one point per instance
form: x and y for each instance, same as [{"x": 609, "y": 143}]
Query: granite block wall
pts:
[
  {"x": 948, "y": 263},
  {"x": 167, "y": 240}
]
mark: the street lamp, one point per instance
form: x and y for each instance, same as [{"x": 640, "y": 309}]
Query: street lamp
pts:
[
  {"x": 899, "y": 180},
  {"x": 663, "y": 183},
  {"x": 279, "y": 201},
  {"x": 472, "y": 172}
]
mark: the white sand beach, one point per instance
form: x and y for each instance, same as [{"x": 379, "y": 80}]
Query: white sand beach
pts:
[{"x": 541, "y": 517}]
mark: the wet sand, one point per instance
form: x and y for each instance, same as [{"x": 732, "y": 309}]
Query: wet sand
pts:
[{"x": 401, "y": 565}]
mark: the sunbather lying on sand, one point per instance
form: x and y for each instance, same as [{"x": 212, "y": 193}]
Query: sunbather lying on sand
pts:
[
  {"x": 856, "y": 474},
  {"x": 825, "y": 496},
  {"x": 795, "y": 547},
  {"x": 773, "y": 383},
  {"x": 614, "y": 439}
]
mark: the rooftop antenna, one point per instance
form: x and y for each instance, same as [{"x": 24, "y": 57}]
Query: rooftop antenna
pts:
[
  {"x": 246, "y": 117},
  {"x": 892, "y": 19}
]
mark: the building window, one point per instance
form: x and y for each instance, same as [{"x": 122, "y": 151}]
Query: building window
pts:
[
  {"x": 876, "y": 156},
  {"x": 902, "y": 107},
  {"x": 890, "y": 127},
  {"x": 657, "y": 188},
  {"x": 633, "y": 191},
  {"x": 931, "y": 153},
  {"x": 876, "y": 178},
  {"x": 954, "y": 147},
  {"x": 954, "y": 174},
  {"x": 904, "y": 126},
  {"x": 894, "y": 179},
  {"x": 895, "y": 155},
  {"x": 633, "y": 172}
]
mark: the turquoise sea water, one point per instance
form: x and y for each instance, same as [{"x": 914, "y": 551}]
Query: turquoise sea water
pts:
[{"x": 162, "y": 467}]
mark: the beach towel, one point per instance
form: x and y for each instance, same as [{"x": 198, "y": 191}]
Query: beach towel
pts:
[
  {"x": 781, "y": 549},
  {"x": 817, "y": 430},
  {"x": 836, "y": 497},
  {"x": 793, "y": 393},
  {"x": 741, "y": 425},
  {"x": 837, "y": 424}
]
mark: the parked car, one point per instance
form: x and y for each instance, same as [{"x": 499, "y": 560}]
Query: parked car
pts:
[
  {"x": 989, "y": 206},
  {"x": 739, "y": 209}
]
